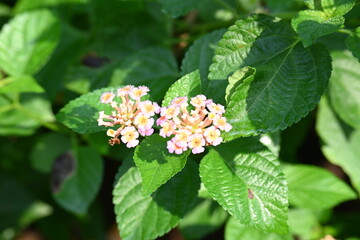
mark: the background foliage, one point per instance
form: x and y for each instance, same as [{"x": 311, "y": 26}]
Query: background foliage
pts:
[{"x": 288, "y": 73}]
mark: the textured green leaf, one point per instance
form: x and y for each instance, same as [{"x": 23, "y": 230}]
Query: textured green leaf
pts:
[
  {"x": 20, "y": 84},
  {"x": 353, "y": 43},
  {"x": 83, "y": 175},
  {"x": 177, "y": 8},
  {"x": 47, "y": 149},
  {"x": 140, "y": 217},
  {"x": 200, "y": 54},
  {"x": 312, "y": 24},
  {"x": 81, "y": 113},
  {"x": 248, "y": 184},
  {"x": 156, "y": 164},
  {"x": 236, "y": 231},
  {"x": 289, "y": 79},
  {"x": 188, "y": 85},
  {"x": 339, "y": 146},
  {"x": 23, "y": 119},
  {"x": 204, "y": 218},
  {"x": 154, "y": 67},
  {"x": 335, "y": 8},
  {"x": 27, "y": 41},
  {"x": 344, "y": 88},
  {"x": 314, "y": 187}
]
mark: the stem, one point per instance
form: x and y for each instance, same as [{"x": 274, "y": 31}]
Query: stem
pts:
[
  {"x": 15, "y": 103},
  {"x": 50, "y": 125},
  {"x": 346, "y": 31}
]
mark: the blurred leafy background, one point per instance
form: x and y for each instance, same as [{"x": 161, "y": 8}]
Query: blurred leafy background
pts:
[{"x": 52, "y": 51}]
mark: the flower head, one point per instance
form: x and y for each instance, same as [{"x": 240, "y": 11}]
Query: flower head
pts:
[
  {"x": 132, "y": 116},
  {"x": 193, "y": 130}
]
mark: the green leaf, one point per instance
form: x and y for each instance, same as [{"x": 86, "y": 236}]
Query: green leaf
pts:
[
  {"x": 24, "y": 118},
  {"x": 149, "y": 217},
  {"x": 77, "y": 179},
  {"x": 353, "y": 43},
  {"x": 52, "y": 75},
  {"x": 187, "y": 86},
  {"x": 177, "y": 8},
  {"x": 344, "y": 88},
  {"x": 249, "y": 5},
  {"x": 24, "y": 5},
  {"x": 335, "y": 8},
  {"x": 314, "y": 187},
  {"x": 312, "y": 24},
  {"x": 204, "y": 218},
  {"x": 309, "y": 3},
  {"x": 289, "y": 79},
  {"x": 339, "y": 146},
  {"x": 27, "y": 41},
  {"x": 82, "y": 78},
  {"x": 200, "y": 54},
  {"x": 20, "y": 84},
  {"x": 81, "y": 113},
  {"x": 156, "y": 164},
  {"x": 304, "y": 223},
  {"x": 235, "y": 231},
  {"x": 248, "y": 184},
  {"x": 49, "y": 147},
  {"x": 154, "y": 67}
]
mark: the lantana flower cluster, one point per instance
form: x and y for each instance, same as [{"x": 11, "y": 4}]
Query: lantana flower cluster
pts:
[
  {"x": 131, "y": 116},
  {"x": 194, "y": 129}
]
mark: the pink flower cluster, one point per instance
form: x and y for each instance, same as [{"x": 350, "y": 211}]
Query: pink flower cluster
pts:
[
  {"x": 133, "y": 116},
  {"x": 195, "y": 129}
]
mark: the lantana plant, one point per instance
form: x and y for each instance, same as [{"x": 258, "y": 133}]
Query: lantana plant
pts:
[{"x": 207, "y": 141}]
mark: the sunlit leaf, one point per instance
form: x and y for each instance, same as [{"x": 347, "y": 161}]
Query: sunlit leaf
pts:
[
  {"x": 344, "y": 88},
  {"x": 235, "y": 231},
  {"x": 156, "y": 164},
  {"x": 27, "y": 41},
  {"x": 314, "y": 187},
  {"x": 187, "y": 86},
  {"x": 248, "y": 183},
  {"x": 289, "y": 79},
  {"x": 340, "y": 145},
  {"x": 148, "y": 217}
]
